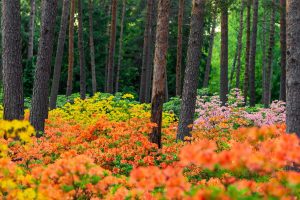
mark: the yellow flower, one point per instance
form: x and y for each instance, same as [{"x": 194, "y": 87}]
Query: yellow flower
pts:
[{"x": 127, "y": 96}]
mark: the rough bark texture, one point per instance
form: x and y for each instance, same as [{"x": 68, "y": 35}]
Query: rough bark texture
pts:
[
  {"x": 283, "y": 49},
  {"x": 210, "y": 51},
  {"x": 146, "y": 51},
  {"x": 179, "y": 49},
  {"x": 293, "y": 66},
  {"x": 248, "y": 42},
  {"x": 253, "y": 53},
  {"x": 39, "y": 107},
  {"x": 31, "y": 30},
  {"x": 12, "y": 60},
  {"x": 59, "y": 53},
  {"x": 92, "y": 48},
  {"x": 112, "y": 45},
  {"x": 81, "y": 52},
  {"x": 71, "y": 50},
  {"x": 191, "y": 78},
  {"x": 268, "y": 77},
  {"x": 120, "y": 46},
  {"x": 224, "y": 55},
  {"x": 159, "y": 75}
]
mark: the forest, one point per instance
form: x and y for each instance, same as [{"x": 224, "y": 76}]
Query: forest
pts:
[{"x": 150, "y": 99}]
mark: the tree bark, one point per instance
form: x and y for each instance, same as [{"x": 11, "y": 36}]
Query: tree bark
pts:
[
  {"x": 31, "y": 30},
  {"x": 120, "y": 46},
  {"x": 81, "y": 52},
  {"x": 224, "y": 54},
  {"x": 159, "y": 75},
  {"x": 179, "y": 48},
  {"x": 59, "y": 53},
  {"x": 253, "y": 53},
  {"x": 71, "y": 50},
  {"x": 191, "y": 78},
  {"x": 39, "y": 107},
  {"x": 268, "y": 78},
  {"x": 112, "y": 45},
  {"x": 283, "y": 50},
  {"x": 293, "y": 67},
  {"x": 146, "y": 52},
  {"x": 92, "y": 49},
  {"x": 12, "y": 60}
]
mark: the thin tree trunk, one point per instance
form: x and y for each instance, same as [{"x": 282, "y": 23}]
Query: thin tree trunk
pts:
[
  {"x": 264, "y": 47},
  {"x": 31, "y": 30},
  {"x": 120, "y": 46},
  {"x": 240, "y": 45},
  {"x": 233, "y": 67},
  {"x": 159, "y": 75},
  {"x": 268, "y": 80},
  {"x": 112, "y": 45},
  {"x": 81, "y": 52},
  {"x": 191, "y": 77},
  {"x": 146, "y": 51},
  {"x": 210, "y": 51},
  {"x": 71, "y": 50},
  {"x": 39, "y": 107},
  {"x": 59, "y": 53},
  {"x": 12, "y": 60},
  {"x": 283, "y": 49},
  {"x": 253, "y": 53},
  {"x": 92, "y": 48},
  {"x": 107, "y": 45},
  {"x": 179, "y": 48}
]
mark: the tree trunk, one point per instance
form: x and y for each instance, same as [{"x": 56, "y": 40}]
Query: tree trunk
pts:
[
  {"x": 12, "y": 60},
  {"x": 233, "y": 67},
  {"x": 268, "y": 79},
  {"x": 283, "y": 50},
  {"x": 179, "y": 48},
  {"x": 59, "y": 53},
  {"x": 253, "y": 53},
  {"x": 159, "y": 75},
  {"x": 224, "y": 55},
  {"x": 293, "y": 67},
  {"x": 81, "y": 52},
  {"x": 71, "y": 50},
  {"x": 146, "y": 51},
  {"x": 31, "y": 30},
  {"x": 240, "y": 45},
  {"x": 248, "y": 42},
  {"x": 120, "y": 46},
  {"x": 107, "y": 45},
  {"x": 92, "y": 48},
  {"x": 210, "y": 51},
  {"x": 112, "y": 45},
  {"x": 189, "y": 92},
  {"x": 39, "y": 107},
  {"x": 264, "y": 47}
]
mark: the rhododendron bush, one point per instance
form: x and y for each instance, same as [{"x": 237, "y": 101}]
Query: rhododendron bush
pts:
[{"x": 99, "y": 149}]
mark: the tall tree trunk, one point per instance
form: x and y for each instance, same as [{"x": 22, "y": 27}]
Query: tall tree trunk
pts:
[
  {"x": 233, "y": 67},
  {"x": 293, "y": 67},
  {"x": 31, "y": 30},
  {"x": 146, "y": 51},
  {"x": 253, "y": 53},
  {"x": 112, "y": 45},
  {"x": 120, "y": 46},
  {"x": 92, "y": 48},
  {"x": 240, "y": 45},
  {"x": 12, "y": 60},
  {"x": 71, "y": 50},
  {"x": 268, "y": 79},
  {"x": 264, "y": 47},
  {"x": 191, "y": 78},
  {"x": 39, "y": 107},
  {"x": 210, "y": 51},
  {"x": 179, "y": 48},
  {"x": 283, "y": 49},
  {"x": 224, "y": 54},
  {"x": 248, "y": 42},
  {"x": 81, "y": 52},
  {"x": 159, "y": 75},
  {"x": 107, "y": 45},
  {"x": 59, "y": 53}
]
